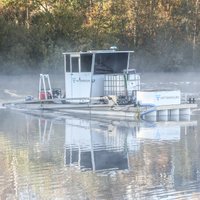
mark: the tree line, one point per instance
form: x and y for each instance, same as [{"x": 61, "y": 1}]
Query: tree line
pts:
[{"x": 165, "y": 34}]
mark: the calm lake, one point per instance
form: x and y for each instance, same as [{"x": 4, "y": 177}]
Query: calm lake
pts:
[{"x": 65, "y": 157}]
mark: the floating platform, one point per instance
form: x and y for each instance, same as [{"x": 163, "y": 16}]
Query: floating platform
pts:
[{"x": 110, "y": 110}]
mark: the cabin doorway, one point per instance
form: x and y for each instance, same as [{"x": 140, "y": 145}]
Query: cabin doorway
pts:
[{"x": 77, "y": 78}]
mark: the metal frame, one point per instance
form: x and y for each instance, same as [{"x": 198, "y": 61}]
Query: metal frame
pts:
[{"x": 42, "y": 86}]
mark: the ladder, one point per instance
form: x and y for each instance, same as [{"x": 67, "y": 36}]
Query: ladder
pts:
[{"x": 45, "y": 91}]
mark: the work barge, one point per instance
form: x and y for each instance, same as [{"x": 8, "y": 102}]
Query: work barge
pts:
[{"x": 102, "y": 83}]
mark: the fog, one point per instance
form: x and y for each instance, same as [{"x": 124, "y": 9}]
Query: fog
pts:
[
  {"x": 19, "y": 86},
  {"x": 185, "y": 81},
  {"x": 167, "y": 55},
  {"x": 21, "y": 82},
  {"x": 15, "y": 87}
]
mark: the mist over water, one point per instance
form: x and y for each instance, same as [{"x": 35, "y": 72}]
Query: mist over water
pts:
[
  {"x": 19, "y": 86},
  {"x": 15, "y": 87},
  {"x": 187, "y": 82}
]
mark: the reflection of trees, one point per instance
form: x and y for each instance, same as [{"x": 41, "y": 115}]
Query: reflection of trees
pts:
[
  {"x": 27, "y": 177},
  {"x": 164, "y": 166},
  {"x": 24, "y": 157},
  {"x": 7, "y": 186},
  {"x": 152, "y": 166},
  {"x": 158, "y": 163},
  {"x": 187, "y": 154},
  {"x": 33, "y": 168}
]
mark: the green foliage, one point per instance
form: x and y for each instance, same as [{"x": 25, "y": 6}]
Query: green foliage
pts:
[{"x": 34, "y": 33}]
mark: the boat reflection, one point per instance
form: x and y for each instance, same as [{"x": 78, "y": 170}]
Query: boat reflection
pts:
[
  {"x": 101, "y": 146},
  {"x": 107, "y": 145},
  {"x": 91, "y": 145},
  {"x": 45, "y": 130},
  {"x": 142, "y": 159}
]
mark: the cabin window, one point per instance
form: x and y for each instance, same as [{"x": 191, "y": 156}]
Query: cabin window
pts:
[
  {"x": 67, "y": 60},
  {"x": 75, "y": 64},
  {"x": 86, "y": 62},
  {"x": 108, "y": 63}
]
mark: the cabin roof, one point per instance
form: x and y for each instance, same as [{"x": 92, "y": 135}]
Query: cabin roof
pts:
[{"x": 96, "y": 51}]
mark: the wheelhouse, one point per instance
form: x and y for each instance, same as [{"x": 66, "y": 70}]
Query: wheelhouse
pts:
[{"x": 85, "y": 72}]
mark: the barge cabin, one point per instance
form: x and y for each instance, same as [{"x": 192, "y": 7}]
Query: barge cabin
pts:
[{"x": 100, "y": 73}]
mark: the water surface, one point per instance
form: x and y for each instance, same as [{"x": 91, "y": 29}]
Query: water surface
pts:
[
  {"x": 66, "y": 157},
  {"x": 72, "y": 158}
]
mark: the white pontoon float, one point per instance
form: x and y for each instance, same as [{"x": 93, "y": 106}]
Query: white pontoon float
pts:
[{"x": 102, "y": 83}]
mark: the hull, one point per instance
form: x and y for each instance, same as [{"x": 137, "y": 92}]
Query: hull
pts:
[{"x": 127, "y": 112}]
